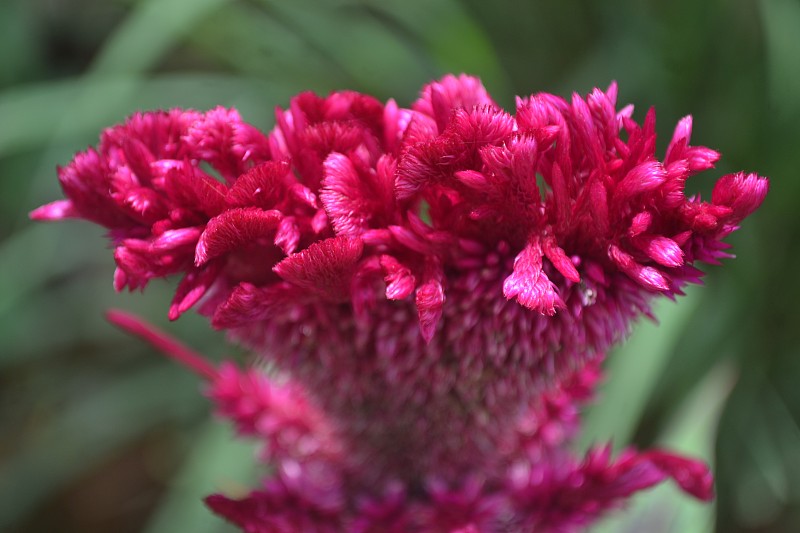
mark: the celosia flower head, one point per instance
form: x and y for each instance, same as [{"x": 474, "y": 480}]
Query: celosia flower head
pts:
[{"x": 435, "y": 288}]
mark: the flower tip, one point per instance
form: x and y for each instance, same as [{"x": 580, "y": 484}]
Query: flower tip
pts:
[
  {"x": 174, "y": 313},
  {"x": 529, "y": 284},
  {"x": 120, "y": 279},
  {"x": 221, "y": 505},
  {"x": 58, "y": 210},
  {"x": 665, "y": 251},
  {"x": 683, "y": 130},
  {"x": 201, "y": 255},
  {"x": 701, "y": 488},
  {"x": 612, "y": 91},
  {"x": 119, "y": 318},
  {"x": 743, "y": 193},
  {"x": 692, "y": 476},
  {"x": 430, "y": 301}
]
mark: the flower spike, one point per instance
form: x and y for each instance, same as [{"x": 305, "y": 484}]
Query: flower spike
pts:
[{"x": 433, "y": 290}]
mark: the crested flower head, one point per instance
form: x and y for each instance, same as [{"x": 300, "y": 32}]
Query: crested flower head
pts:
[{"x": 434, "y": 287}]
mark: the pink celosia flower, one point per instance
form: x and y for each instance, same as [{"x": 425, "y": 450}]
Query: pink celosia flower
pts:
[{"x": 435, "y": 287}]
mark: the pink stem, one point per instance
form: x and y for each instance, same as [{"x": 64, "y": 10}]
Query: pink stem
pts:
[{"x": 162, "y": 342}]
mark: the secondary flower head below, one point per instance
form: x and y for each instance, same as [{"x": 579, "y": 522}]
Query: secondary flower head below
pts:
[{"x": 434, "y": 289}]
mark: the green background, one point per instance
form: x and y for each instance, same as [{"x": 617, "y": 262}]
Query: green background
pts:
[{"x": 99, "y": 434}]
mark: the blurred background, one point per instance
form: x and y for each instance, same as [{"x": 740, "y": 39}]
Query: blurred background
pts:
[{"x": 99, "y": 434}]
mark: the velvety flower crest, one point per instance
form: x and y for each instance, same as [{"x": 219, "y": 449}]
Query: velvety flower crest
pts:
[{"x": 433, "y": 288}]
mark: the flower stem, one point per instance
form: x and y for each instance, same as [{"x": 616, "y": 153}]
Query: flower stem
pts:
[{"x": 162, "y": 342}]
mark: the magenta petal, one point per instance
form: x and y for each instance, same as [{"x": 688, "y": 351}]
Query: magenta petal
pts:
[
  {"x": 474, "y": 180},
  {"x": 644, "y": 177},
  {"x": 120, "y": 279},
  {"x": 171, "y": 239},
  {"x": 86, "y": 181},
  {"x": 288, "y": 235},
  {"x": 140, "y": 203},
  {"x": 234, "y": 228},
  {"x": 215, "y": 138},
  {"x": 249, "y": 304},
  {"x": 263, "y": 186},
  {"x": 680, "y": 140},
  {"x": 139, "y": 159},
  {"x": 354, "y": 197},
  {"x": 693, "y": 476},
  {"x": 191, "y": 188},
  {"x": 430, "y": 298},
  {"x": 192, "y": 287},
  {"x": 646, "y": 276},
  {"x": 479, "y": 127},
  {"x": 58, "y": 210},
  {"x": 441, "y": 97},
  {"x": 662, "y": 250},
  {"x": 278, "y": 508},
  {"x": 458, "y": 148},
  {"x": 417, "y": 167},
  {"x": 640, "y": 223},
  {"x": 400, "y": 282},
  {"x": 134, "y": 269},
  {"x": 530, "y": 285},
  {"x": 561, "y": 199},
  {"x": 599, "y": 206},
  {"x": 701, "y": 158},
  {"x": 326, "y": 267},
  {"x": 587, "y": 129},
  {"x": 741, "y": 192},
  {"x": 341, "y": 195},
  {"x": 559, "y": 258}
]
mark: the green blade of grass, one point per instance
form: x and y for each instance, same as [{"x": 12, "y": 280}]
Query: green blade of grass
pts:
[
  {"x": 152, "y": 28},
  {"x": 692, "y": 431},
  {"x": 374, "y": 60},
  {"x": 633, "y": 370},
  {"x": 781, "y": 22}
]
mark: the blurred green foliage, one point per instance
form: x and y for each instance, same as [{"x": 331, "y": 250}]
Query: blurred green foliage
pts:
[{"x": 97, "y": 434}]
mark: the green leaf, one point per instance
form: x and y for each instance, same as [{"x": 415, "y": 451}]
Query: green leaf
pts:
[
  {"x": 89, "y": 428},
  {"x": 217, "y": 462}
]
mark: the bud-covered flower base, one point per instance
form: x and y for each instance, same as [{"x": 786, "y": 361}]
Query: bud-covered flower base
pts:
[{"x": 433, "y": 290}]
